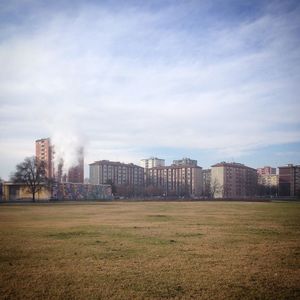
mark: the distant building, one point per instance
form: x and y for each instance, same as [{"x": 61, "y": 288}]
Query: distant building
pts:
[
  {"x": 175, "y": 180},
  {"x": 289, "y": 180},
  {"x": 206, "y": 179},
  {"x": 185, "y": 162},
  {"x": 152, "y": 162},
  {"x": 128, "y": 178},
  {"x": 268, "y": 180},
  {"x": 233, "y": 180},
  {"x": 44, "y": 152},
  {"x": 267, "y": 170}
]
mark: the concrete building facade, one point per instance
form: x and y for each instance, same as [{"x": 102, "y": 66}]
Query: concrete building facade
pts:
[
  {"x": 175, "y": 180},
  {"x": 44, "y": 152},
  {"x": 266, "y": 170},
  {"x": 289, "y": 181},
  {"x": 233, "y": 180},
  {"x": 268, "y": 180},
  {"x": 152, "y": 162},
  {"x": 185, "y": 162},
  {"x": 128, "y": 178}
]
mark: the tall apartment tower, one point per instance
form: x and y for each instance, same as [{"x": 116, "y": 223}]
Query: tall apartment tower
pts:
[
  {"x": 233, "y": 180},
  {"x": 152, "y": 162},
  {"x": 289, "y": 180},
  {"x": 44, "y": 152}
]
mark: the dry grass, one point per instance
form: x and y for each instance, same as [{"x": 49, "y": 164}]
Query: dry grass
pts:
[{"x": 193, "y": 250}]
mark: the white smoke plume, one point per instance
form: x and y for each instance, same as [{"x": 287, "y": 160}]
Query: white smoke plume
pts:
[
  {"x": 68, "y": 142},
  {"x": 67, "y": 147}
]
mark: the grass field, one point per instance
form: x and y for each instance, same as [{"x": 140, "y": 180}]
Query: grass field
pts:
[{"x": 150, "y": 250}]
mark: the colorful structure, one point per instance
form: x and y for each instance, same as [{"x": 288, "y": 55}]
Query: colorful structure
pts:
[
  {"x": 76, "y": 191},
  {"x": 58, "y": 191}
]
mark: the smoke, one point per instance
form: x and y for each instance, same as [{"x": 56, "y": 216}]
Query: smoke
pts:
[
  {"x": 68, "y": 141},
  {"x": 67, "y": 147}
]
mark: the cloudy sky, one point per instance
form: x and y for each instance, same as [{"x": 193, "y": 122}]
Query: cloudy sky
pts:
[{"x": 211, "y": 80}]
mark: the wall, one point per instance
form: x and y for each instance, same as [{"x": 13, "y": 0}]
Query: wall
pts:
[{"x": 59, "y": 191}]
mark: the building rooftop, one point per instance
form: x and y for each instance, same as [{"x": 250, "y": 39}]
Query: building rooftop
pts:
[{"x": 231, "y": 164}]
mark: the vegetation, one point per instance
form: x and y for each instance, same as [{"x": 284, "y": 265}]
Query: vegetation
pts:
[
  {"x": 156, "y": 250},
  {"x": 32, "y": 172}
]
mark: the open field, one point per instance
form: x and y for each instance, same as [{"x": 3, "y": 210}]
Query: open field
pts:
[{"x": 153, "y": 250}]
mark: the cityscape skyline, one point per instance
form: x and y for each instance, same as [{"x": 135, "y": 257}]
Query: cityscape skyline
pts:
[{"x": 208, "y": 80}]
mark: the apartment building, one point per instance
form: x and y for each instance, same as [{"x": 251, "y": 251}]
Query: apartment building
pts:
[
  {"x": 44, "y": 152},
  {"x": 268, "y": 180},
  {"x": 174, "y": 180},
  {"x": 152, "y": 162},
  {"x": 233, "y": 180},
  {"x": 289, "y": 181},
  {"x": 128, "y": 178},
  {"x": 266, "y": 170}
]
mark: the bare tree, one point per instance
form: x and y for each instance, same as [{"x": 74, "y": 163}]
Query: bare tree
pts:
[{"x": 31, "y": 172}]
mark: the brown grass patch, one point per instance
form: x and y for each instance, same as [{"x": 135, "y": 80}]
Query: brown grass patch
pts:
[{"x": 172, "y": 250}]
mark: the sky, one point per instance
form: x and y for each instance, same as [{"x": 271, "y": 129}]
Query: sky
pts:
[{"x": 210, "y": 80}]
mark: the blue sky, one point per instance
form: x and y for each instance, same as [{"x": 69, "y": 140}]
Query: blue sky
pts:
[{"x": 211, "y": 80}]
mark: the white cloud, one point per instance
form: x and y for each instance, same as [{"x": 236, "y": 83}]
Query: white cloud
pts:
[{"x": 126, "y": 80}]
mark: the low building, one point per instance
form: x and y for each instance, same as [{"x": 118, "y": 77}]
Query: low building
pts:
[
  {"x": 58, "y": 191},
  {"x": 233, "y": 180},
  {"x": 19, "y": 191},
  {"x": 289, "y": 181}
]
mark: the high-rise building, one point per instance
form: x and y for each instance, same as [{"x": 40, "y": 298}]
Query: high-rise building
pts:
[
  {"x": 185, "y": 162},
  {"x": 174, "y": 180},
  {"x": 128, "y": 178},
  {"x": 44, "y": 152},
  {"x": 289, "y": 180},
  {"x": 152, "y": 162},
  {"x": 233, "y": 180}
]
